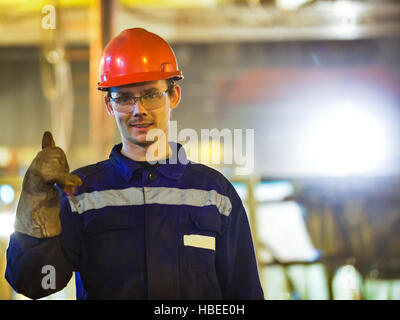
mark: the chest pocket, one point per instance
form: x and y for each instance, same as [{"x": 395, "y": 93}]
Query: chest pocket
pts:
[
  {"x": 102, "y": 223},
  {"x": 109, "y": 241},
  {"x": 199, "y": 240},
  {"x": 209, "y": 221}
]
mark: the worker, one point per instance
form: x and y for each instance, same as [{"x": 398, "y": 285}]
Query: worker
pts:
[{"x": 139, "y": 225}]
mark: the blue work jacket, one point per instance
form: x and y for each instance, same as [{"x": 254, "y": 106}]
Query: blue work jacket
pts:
[{"x": 178, "y": 231}]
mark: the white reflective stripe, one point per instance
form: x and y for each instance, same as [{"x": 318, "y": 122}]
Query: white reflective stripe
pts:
[
  {"x": 199, "y": 241},
  {"x": 152, "y": 195},
  {"x": 101, "y": 199},
  {"x": 190, "y": 197}
]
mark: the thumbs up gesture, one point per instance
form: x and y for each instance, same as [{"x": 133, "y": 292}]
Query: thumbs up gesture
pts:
[{"x": 38, "y": 210}]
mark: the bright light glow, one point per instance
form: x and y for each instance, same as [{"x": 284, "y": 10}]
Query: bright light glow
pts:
[
  {"x": 348, "y": 13},
  {"x": 346, "y": 283},
  {"x": 6, "y": 224},
  {"x": 273, "y": 190},
  {"x": 348, "y": 140},
  {"x": 347, "y": 10},
  {"x": 5, "y": 156},
  {"x": 282, "y": 229},
  {"x": 290, "y": 4},
  {"x": 7, "y": 194}
]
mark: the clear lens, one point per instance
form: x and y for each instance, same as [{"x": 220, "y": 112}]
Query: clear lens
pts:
[
  {"x": 150, "y": 101},
  {"x": 153, "y": 100}
]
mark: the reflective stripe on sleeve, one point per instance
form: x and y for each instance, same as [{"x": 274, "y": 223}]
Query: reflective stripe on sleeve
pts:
[{"x": 150, "y": 195}]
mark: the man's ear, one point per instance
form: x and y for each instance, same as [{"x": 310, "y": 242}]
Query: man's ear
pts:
[
  {"x": 175, "y": 96},
  {"x": 107, "y": 102}
]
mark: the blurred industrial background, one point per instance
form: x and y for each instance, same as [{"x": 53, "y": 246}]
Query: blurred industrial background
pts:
[{"x": 318, "y": 81}]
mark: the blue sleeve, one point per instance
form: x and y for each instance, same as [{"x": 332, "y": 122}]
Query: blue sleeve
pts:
[
  {"x": 235, "y": 259},
  {"x": 27, "y": 257}
]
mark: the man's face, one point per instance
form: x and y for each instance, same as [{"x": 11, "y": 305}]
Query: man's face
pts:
[{"x": 135, "y": 124}]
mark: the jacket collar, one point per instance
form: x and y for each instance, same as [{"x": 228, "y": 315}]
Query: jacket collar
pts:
[{"x": 172, "y": 168}]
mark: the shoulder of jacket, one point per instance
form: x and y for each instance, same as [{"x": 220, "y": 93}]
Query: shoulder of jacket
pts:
[
  {"x": 225, "y": 187},
  {"x": 92, "y": 169},
  {"x": 211, "y": 174}
]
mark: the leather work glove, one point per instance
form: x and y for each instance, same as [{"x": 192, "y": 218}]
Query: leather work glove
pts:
[{"x": 38, "y": 210}]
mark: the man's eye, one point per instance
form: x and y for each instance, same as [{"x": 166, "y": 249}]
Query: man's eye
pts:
[
  {"x": 122, "y": 99},
  {"x": 150, "y": 96},
  {"x": 153, "y": 96}
]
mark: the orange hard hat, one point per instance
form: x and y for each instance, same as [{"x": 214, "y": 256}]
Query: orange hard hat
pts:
[{"x": 136, "y": 55}]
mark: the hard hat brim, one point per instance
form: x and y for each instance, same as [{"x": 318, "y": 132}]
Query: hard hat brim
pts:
[{"x": 138, "y": 77}]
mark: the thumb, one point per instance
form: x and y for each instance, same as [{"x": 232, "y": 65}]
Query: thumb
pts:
[
  {"x": 71, "y": 183},
  {"x": 47, "y": 140},
  {"x": 72, "y": 179}
]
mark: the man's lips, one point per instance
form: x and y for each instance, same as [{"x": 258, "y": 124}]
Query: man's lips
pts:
[{"x": 141, "y": 125}]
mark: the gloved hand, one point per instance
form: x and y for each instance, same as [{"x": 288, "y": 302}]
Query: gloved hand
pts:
[{"x": 38, "y": 211}]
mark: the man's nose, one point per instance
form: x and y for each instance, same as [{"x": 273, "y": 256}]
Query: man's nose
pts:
[{"x": 138, "y": 108}]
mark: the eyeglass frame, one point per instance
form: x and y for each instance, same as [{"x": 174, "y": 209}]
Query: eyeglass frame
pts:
[{"x": 139, "y": 98}]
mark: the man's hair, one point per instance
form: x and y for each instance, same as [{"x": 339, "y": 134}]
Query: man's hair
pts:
[{"x": 170, "y": 87}]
